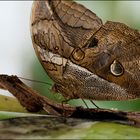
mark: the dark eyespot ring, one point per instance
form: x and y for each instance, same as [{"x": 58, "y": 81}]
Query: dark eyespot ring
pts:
[
  {"x": 93, "y": 43},
  {"x": 116, "y": 68}
]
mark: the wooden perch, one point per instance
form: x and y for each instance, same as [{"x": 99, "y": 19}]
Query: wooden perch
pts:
[{"x": 34, "y": 102}]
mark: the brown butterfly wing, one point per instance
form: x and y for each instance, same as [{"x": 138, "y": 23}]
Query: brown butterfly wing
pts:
[
  {"x": 61, "y": 26},
  {"x": 122, "y": 43}
]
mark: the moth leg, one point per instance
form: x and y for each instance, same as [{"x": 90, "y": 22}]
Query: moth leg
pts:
[
  {"x": 94, "y": 104},
  {"x": 85, "y": 103},
  {"x": 64, "y": 90},
  {"x": 63, "y": 102},
  {"x": 91, "y": 102}
]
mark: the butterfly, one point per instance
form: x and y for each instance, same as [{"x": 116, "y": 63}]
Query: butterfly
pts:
[{"x": 85, "y": 58}]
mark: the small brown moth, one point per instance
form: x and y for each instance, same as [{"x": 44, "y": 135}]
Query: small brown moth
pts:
[{"x": 84, "y": 57}]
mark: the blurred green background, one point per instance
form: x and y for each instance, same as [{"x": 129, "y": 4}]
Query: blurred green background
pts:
[{"x": 122, "y": 11}]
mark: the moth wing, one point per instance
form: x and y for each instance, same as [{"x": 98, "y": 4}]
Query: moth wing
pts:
[
  {"x": 62, "y": 25},
  {"x": 122, "y": 43}
]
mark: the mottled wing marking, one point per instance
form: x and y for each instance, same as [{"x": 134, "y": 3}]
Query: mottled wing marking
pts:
[
  {"x": 93, "y": 86},
  {"x": 127, "y": 51},
  {"x": 53, "y": 28},
  {"x": 78, "y": 22},
  {"x": 66, "y": 23},
  {"x": 76, "y": 15},
  {"x": 46, "y": 32}
]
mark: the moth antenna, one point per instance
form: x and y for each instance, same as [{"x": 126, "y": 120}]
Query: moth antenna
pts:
[{"x": 36, "y": 81}]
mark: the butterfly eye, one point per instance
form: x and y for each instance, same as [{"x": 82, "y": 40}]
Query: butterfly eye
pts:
[
  {"x": 116, "y": 68},
  {"x": 93, "y": 43}
]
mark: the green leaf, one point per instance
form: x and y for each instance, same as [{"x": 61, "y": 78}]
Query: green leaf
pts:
[
  {"x": 44, "y": 127},
  {"x": 10, "y": 104},
  {"x": 8, "y": 115}
]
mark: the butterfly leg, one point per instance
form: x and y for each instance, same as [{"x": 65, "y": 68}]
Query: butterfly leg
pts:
[{"x": 94, "y": 104}]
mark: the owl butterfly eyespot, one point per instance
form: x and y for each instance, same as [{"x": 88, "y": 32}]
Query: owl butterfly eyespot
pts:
[
  {"x": 116, "y": 68},
  {"x": 82, "y": 65},
  {"x": 93, "y": 43}
]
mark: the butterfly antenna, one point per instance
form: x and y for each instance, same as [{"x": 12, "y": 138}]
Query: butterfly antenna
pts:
[{"x": 36, "y": 81}]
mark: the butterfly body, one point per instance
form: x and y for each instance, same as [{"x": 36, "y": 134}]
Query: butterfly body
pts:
[{"x": 84, "y": 57}]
